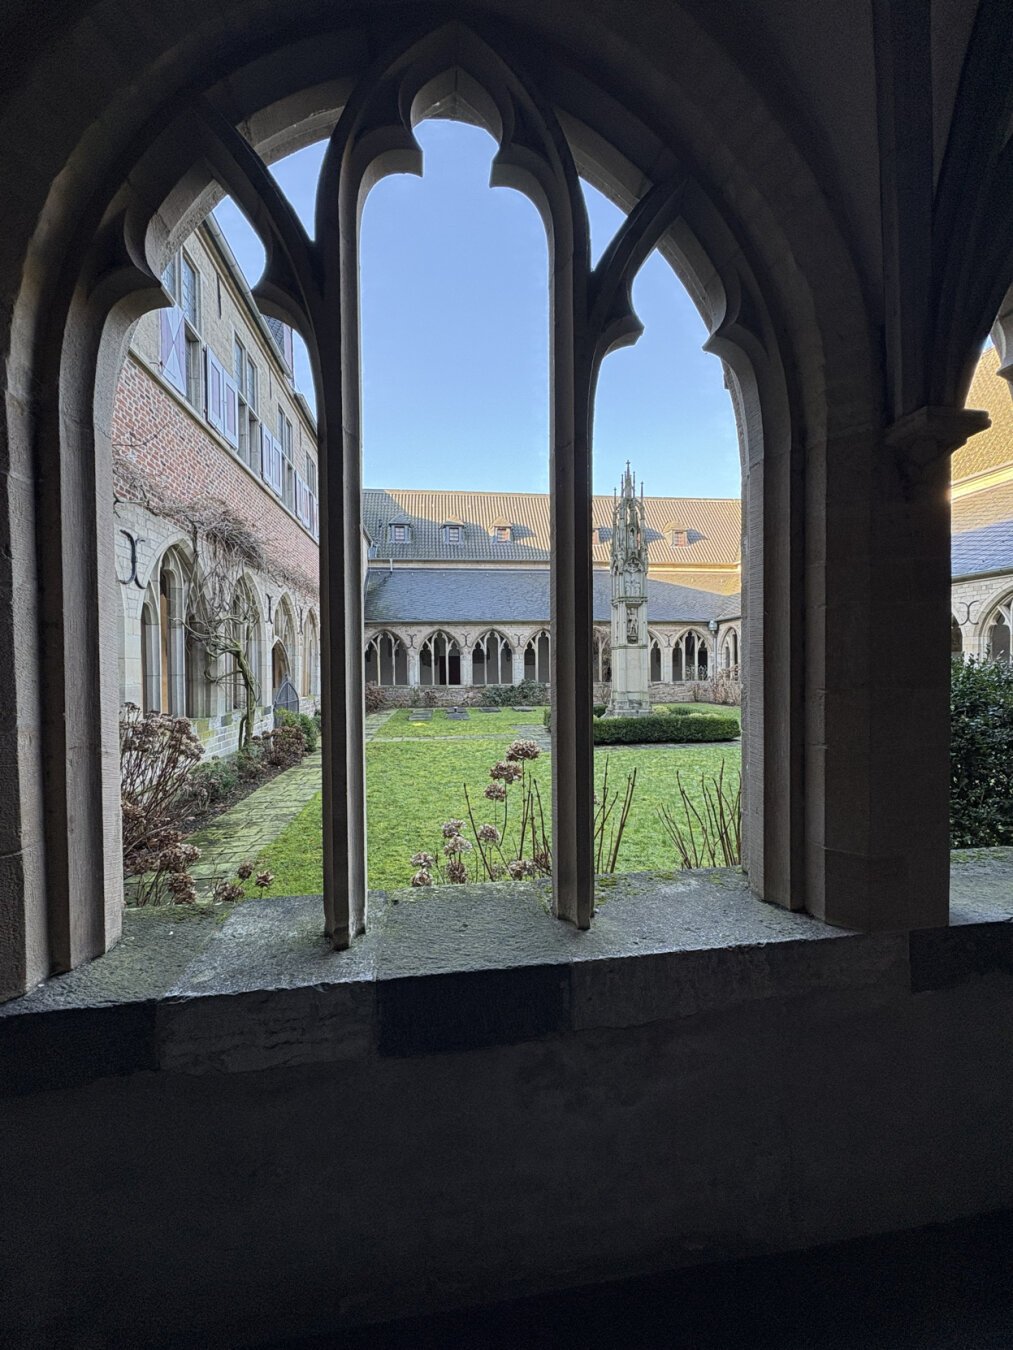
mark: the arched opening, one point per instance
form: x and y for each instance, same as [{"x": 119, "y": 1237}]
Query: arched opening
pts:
[
  {"x": 150, "y": 691},
  {"x": 172, "y": 646},
  {"x": 999, "y": 638},
  {"x": 727, "y": 292},
  {"x": 601, "y": 654},
  {"x": 386, "y": 660},
  {"x": 492, "y": 659},
  {"x": 284, "y": 648},
  {"x": 656, "y": 675},
  {"x": 536, "y": 658},
  {"x": 200, "y": 676},
  {"x": 279, "y": 669},
  {"x": 248, "y": 634},
  {"x": 439, "y": 660},
  {"x": 311, "y": 657}
]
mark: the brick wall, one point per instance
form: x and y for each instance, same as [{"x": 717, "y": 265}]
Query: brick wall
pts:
[{"x": 157, "y": 431}]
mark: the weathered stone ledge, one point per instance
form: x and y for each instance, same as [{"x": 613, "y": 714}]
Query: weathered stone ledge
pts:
[{"x": 466, "y": 967}]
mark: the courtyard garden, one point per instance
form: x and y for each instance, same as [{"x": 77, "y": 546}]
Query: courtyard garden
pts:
[{"x": 419, "y": 761}]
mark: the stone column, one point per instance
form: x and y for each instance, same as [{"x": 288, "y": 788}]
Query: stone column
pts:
[
  {"x": 518, "y": 662},
  {"x": 877, "y": 705},
  {"x": 466, "y": 665},
  {"x": 413, "y": 665}
]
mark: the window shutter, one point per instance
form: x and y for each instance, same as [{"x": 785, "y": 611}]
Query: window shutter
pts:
[
  {"x": 215, "y": 391},
  {"x": 278, "y": 482},
  {"x": 302, "y": 501},
  {"x": 230, "y": 410},
  {"x": 172, "y": 347},
  {"x": 266, "y": 455}
]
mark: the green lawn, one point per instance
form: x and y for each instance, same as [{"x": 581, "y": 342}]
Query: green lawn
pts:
[
  {"x": 412, "y": 789},
  {"x": 500, "y": 722}
]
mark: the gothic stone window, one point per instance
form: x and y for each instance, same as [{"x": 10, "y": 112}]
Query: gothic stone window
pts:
[
  {"x": 386, "y": 659},
  {"x": 492, "y": 659},
  {"x": 440, "y": 660},
  {"x": 536, "y": 658}
]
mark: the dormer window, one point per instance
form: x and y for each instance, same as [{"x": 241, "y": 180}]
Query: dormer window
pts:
[
  {"x": 678, "y": 538},
  {"x": 502, "y": 534},
  {"x": 400, "y": 534},
  {"x": 452, "y": 534}
]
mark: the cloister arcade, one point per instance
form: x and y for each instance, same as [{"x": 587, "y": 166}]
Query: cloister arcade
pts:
[
  {"x": 410, "y": 655},
  {"x": 165, "y": 668}
]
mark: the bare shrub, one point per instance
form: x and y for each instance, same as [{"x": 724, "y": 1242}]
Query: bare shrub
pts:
[
  {"x": 708, "y": 834},
  {"x": 157, "y": 757}
]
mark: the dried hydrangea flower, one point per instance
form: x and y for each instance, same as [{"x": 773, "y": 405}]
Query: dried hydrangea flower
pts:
[
  {"x": 488, "y": 834},
  {"x": 422, "y": 860},
  {"x": 523, "y": 750},
  {"x": 457, "y": 872},
  {"x": 244, "y": 871},
  {"x": 227, "y": 891},
  {"x": 506, "y": 771},
  {"x": 264, "y": 880},
  {"x": 421, "y": 878},
  {"x": 521, "y": 867},
  {"x": 452, "y": 827},
  {"x": 496, "y": 792},
  {"x": 456, "y": 845}
]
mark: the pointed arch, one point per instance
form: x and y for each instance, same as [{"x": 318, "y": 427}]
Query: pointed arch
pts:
[
  {"x": 386, "y": 659},
  {"x": 492, "y": 659},
  {"x": 310, "y": 686},
  {"x": 439, "y": 659}
]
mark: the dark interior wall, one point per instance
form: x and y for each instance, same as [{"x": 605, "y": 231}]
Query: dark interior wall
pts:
[{"x": 161, "y": 1207}]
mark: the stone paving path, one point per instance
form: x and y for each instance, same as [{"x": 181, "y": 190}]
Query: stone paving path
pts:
[
  {"x": 244, "y": 831},
  {"x": 374, "y": 721},
  {"x": 537, "y": 732}
]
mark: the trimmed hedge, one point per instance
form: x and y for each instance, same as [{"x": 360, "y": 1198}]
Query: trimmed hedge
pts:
[{"x": 660, "y": 728}]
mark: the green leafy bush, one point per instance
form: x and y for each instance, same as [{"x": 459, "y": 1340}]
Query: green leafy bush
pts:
[
  {"x": 662, "y": 727},
  {"x": 599, "y": 709},
  {"x": 305, "y": 723},
  {"x": 213, "y": 781},
  {"x": 981, "y": 754},
  {"x": 507, "y": 695}
]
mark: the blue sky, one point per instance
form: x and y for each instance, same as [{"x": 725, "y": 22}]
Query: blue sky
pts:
[{"x": 455, "y": 338}]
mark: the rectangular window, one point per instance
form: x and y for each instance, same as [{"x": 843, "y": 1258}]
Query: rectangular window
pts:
[
  {"x": 238, "y": 362},
  {"x": 194, "y": 384},
  {"x": 400, "y": 534},
  {"x": 189, "y": 299},
  {"x": 251, "y": 384},
  {"x": 169, "y": 280},
  {"x": 452, "y": 534},
  {"x": 311, "y": 473},
  {"x": 502, "y": 534}
]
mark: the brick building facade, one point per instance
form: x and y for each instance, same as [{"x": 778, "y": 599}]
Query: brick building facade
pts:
[{"x": 207, "y": 417}]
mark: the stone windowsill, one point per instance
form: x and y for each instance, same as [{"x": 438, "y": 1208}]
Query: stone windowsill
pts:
[{"x": 466, "y": 967}]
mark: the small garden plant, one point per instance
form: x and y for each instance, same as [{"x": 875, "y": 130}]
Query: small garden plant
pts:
[{"x": 515, "y": 844}]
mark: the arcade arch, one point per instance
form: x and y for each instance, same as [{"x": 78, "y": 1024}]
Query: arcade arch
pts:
[{"x": 779, "y": 328}]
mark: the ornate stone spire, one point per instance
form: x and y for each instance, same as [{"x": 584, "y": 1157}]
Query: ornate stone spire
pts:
[{"x": 630, "y": 642}]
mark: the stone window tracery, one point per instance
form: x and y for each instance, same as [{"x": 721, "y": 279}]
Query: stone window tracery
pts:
[
  {"x": 536, "y": 657},
  {"x": 440, "y": 660},
  {"x": 492, "y": 659},
  {"x": 998, "y": 642},
  {"x": 386, "y": 660}
]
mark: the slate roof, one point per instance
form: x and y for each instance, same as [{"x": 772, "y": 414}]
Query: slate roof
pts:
[
  {"x": 501, "y": 595},
  {"x": 982, "y": 531},
  {"x": 713, "y": 525},
  {"x": 992, "y": 448}
]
